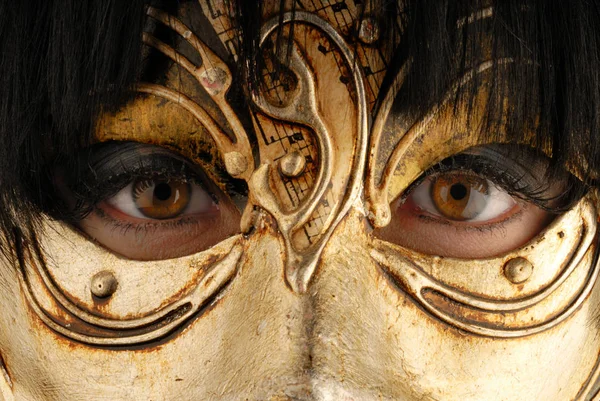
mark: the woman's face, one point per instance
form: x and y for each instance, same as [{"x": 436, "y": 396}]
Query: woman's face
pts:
[{"x": 318, "y": 242}]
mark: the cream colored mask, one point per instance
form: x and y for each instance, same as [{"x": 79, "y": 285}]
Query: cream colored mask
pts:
[{"x": 350, "y": 271}]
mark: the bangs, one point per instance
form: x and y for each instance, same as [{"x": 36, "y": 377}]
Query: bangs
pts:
[
  {"x": 61, "y": 61},
  {"x": 544, "y": 80}
]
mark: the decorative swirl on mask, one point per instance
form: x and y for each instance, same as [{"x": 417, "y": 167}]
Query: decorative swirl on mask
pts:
[
  {"x": 304, "y": 110},
  {"x": 43, "y": 295},
  {"x": 378, "y": 180},
  {"x": 486, "y": 317},
  {"x": 215, "y": 78}
]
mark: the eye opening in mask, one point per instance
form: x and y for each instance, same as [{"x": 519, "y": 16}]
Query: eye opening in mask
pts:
[
  {"x": 145, "y": 202},
  {"x": 480, "y": 203}
]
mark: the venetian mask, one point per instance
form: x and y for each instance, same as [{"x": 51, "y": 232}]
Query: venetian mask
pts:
[{"x": 316, "y": 241}]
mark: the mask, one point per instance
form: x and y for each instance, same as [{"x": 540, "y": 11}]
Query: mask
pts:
[{"x": 375, "y": 255}]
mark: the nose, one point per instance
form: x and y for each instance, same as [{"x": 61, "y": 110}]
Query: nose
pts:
[{"x": 361, "y": 324}]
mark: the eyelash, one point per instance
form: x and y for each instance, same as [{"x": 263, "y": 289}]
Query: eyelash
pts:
[
  {"x": 101, "y": 189},
  {"x": 485, "y": 169},
  {"x": 98, "y": 183}
]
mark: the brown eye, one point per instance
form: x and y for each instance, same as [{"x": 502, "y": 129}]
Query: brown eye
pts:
[
  {"x": 475, "y": 204},
  {"x": 161, "y": 199},
  {"x": 151, "y": 204},
  {"x": 459, "y": 197},
  {"x": 438, "y": 215},
  {"x": 161, "y": 218}
]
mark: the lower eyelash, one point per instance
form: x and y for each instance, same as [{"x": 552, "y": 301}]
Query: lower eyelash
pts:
[
  {"x": 470, "y": 226},
  {"x": 145, "y": 228}
]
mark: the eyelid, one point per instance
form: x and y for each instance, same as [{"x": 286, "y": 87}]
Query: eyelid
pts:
[
  {"x": 109, "y": 168},
  {"x": 520, "y": 172}
]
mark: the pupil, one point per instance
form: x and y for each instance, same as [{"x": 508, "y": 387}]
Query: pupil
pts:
[
  {"x": 458, "y": 191},
  {"x": 162, "y": 191}
]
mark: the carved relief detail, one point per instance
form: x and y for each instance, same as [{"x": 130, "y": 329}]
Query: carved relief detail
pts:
[
  {"x": 334, "y": 130},
  {"x": 215, "y": 78},
  {"x": 74, "y": 318},
  {"x": 306, "y": 204},
  {"x": 567, "y": 284}
]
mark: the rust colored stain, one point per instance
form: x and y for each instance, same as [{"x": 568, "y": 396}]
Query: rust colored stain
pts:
[
  {"x": 465, "y": 313},
  {"x": 5, "y": 372}
]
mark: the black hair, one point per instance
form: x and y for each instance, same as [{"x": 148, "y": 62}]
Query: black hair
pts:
[
  {"x": 551, "y": 84},
  {"x": 62, "y": 62}
]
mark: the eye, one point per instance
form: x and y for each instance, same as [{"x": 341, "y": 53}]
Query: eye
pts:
[
  {"x": 147, "y": 203},
  {"x": 161, "y": 199},
  {"x": 462, "y": 216},
  {"x": 461, "y": 197},
  {"x": 481, "y": 203}
]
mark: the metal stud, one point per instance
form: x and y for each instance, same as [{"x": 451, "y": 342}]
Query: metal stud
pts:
[
  {"x": 518, "y": 270},
  {"x": 235, "y": 163},
  {"x": 368, "y": 31},
  {"x": 104, "y": 284},
  {"x": 292, "y": 164},
  {"x": 213, "y": 80}
]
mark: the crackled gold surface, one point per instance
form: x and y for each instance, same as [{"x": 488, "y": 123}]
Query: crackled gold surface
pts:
[{"x": 307, "y": 304}]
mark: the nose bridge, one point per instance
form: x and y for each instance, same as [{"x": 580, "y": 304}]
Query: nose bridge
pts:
[
  {"x": 369, "y": 339},
  {"x": 356, "y": 312},
  {"x": 333, "y": 332}
]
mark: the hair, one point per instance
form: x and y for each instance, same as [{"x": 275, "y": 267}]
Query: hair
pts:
[{"x": 62, "y": 62}]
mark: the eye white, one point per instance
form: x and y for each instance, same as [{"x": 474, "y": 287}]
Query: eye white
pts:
[
  {"x": 497, "y": 203},
  {"x": 124, "y": 202}
]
